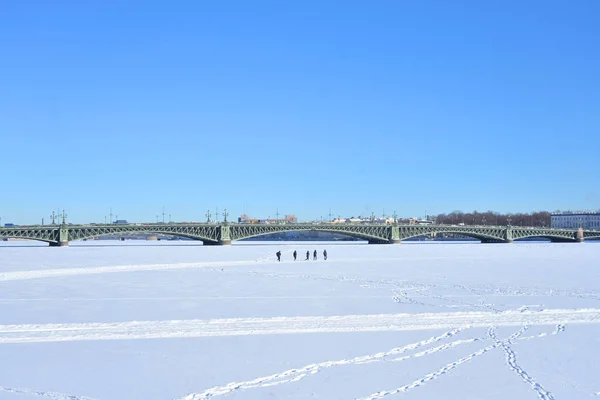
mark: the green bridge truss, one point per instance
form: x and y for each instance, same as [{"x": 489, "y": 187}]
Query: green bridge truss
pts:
[{"x": 224, "y": 234}]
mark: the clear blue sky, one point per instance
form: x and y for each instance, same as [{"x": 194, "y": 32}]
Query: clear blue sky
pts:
[{"x": 300, "y": 105}]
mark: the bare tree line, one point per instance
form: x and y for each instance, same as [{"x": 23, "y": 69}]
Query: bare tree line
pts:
[{"x": 540, "y": 218}]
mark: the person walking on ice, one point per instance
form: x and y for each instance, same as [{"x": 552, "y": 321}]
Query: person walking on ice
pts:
[
  {"x": 295, "y": 254},
  {"x": 325, "y": 254},
  {"x": 307, "y": 255},
  {"x": 315, "y": 255},
  {"x": 278, "y": 254}
]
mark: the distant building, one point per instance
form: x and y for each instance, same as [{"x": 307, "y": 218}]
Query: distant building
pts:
[
  {"x": 575, "y": 219},
  {"x": 288, "y": 219},
  {"x": 291, "y": 219}
]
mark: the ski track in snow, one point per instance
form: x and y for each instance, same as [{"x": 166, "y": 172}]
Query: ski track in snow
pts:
[
  {"x": 443, "y": 370},
  {"x": 404, "y": 297},
  {"x": 60, "y": 272},
  {"x": 49, "y": 395},
  {"x": 437, "y": 349},
  {"x": 511, "y": 361},
  {"x": 180, "y": 298},
  {"x": 31, "y": 333},
  {"x": 293, "y": 375}
]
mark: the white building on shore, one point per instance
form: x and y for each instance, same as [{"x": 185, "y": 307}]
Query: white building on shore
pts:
[{"x": 576, "y": 219}]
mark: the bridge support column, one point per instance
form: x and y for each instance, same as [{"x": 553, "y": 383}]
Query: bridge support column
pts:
[
  {"x": 394, "y": 237},
  {"x": 579, "y": 235},
  {"x": 224, "y": 235},
  {"x": 508, "y": 237},
  {"x": 63, "y": 237}
]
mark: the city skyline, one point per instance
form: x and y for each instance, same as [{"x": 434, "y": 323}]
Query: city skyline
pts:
[
  {"x": 167, "y": 215},
  {"x": 402, "y": 106}
]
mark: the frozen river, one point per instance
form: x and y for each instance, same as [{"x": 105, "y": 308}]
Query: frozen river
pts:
[{"x": 174, "y": 320}]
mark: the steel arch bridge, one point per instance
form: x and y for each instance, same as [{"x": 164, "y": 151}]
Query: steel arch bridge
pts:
[
  {"x": 496, "y": 234},
  {"x": 225, "y": 233},
  {"x": 371, "y": 233}
]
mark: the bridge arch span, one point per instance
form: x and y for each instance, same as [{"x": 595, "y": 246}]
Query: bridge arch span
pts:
[
  {"x": 206, "y": 234},
  {"x": 484, "y": 238},
  {"x": 183, "y": 235},
  {"x": 552, "y": 238},
  {"x": 33, "y": 238},
  {"x": 241, "y": 234}
]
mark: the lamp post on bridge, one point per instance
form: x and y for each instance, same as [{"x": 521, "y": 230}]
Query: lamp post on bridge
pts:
[
  {"x": 207, "y": 216},
  {"x": 395, "y": 218},
  {"x": 53, "y": 217},
  {"x": 64, "y": 217},
  {"x": 225, "y": 214}
]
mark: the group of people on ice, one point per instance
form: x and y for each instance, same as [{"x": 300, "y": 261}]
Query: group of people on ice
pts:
[{"x": 278, "y": 254}]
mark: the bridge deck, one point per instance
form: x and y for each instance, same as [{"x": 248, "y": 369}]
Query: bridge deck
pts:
[{"x": 225, "y": 233}]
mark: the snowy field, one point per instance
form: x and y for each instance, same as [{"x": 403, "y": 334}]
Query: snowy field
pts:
[{"x": 175, "y": 320}]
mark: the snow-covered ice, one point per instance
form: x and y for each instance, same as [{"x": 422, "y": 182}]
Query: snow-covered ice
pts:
[{"x": 174, "y": 320}]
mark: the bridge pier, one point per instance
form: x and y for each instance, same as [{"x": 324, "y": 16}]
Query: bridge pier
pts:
[
  {"x": 579, "y": 235},
  {"x": 382, "y": 241},
  {"x": 219, "y": 243},
  {"x": 394, "y": 235},
  {"x": 63, "y": 237},
  {"x": 224, "y": 235},
  {"x": 508, "y": 235}
]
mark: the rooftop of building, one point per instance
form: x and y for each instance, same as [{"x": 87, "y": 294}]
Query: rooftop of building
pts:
[{"x": 570, "y": 213}]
